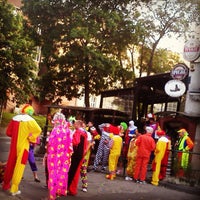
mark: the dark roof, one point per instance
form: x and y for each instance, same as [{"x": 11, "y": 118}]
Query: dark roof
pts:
[
  {"x": 148, "y": 89},
  {"x": 89, "y": 109},
  {"x": 151, "y": 88}
]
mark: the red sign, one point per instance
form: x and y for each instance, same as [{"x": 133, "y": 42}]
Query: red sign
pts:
[{"x": 191, "y": 50}]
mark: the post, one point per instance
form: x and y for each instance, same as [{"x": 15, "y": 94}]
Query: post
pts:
[{"x": 192, "y": 104}]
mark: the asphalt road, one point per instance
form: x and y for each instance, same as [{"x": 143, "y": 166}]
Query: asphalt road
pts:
[{"x": 99, "y": 187}]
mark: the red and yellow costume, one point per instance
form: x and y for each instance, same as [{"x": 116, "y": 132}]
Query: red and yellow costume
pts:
[
  {"x": 23, "y": 130},
  {"x": 131, "y": 157},
  {"x": 161, "y": 153}
]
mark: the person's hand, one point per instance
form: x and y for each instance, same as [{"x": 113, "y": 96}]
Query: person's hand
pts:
[{"x": 97, "y": 137}]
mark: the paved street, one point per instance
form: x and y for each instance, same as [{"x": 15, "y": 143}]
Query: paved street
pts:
[{"x": 99, "y": 187}]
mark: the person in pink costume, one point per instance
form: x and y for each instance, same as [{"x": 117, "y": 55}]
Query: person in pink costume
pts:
[
  {"x": 146, "y": 145},
  {"x": 59, "y": 151},
  {"x": 22, "y": 130},
  {"x": 161, "y": 153}
]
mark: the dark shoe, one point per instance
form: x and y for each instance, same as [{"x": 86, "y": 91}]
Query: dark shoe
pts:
[
  {"x": 37, "y": 180},
  {"x": 45, "y": 186},
  {"x": 103, "y": 169},
  {"x": 143, "y": 182},
  {"x": 136, "y": 181},
  {"x": 94, "y": 169}
]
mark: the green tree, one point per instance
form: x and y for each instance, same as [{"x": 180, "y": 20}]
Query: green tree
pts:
[
  {"x": 16, "y": 55},
  {"x": 164, "y": 60},
  {"x": 161, "y": 19},
  {"x": 83, "y": 45}
]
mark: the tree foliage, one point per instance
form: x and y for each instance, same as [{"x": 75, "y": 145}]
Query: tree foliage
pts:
[
  {"x": 16, "y": 55},
  {"x": 85, "y": 42},
  {"x": 161, "y": 19},
  {"x": 82, "y": 44}
]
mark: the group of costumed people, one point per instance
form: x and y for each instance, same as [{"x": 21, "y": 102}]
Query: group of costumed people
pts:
[
  {"x": 65, "y": 153},
  {"x": 68, "y": 149},
  {"x": 153, "y": 147}
]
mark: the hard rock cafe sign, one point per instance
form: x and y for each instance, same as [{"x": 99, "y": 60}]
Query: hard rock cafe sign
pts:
[
  {"x": 175, "y": 87},
  {"x": 179, "y": 72},
  {"x": 191, "y": 50}
]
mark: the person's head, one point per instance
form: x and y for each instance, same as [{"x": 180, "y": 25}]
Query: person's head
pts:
[
  {"x": 123, "y": 127},
  {"x": 160, "y": 133},
  {"x": 150, "y": 117},
  {"x": 182, "y": 132},
  {"x": 58, "y": 118},
  {"x": 78, "y": 124},
  {"x": 149, "y": 129},
  {"x": 131, "y": 123},
  {"x": 90, "y": 124},
  {"x": 71, "y": 119},
  {"x": 27, "y": 109}
]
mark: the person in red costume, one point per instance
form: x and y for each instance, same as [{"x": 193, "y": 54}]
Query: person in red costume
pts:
[
  {"x": 79, "y": 142},
  {"x": 23, "y": 130},
  {"x": 146, "y": 145},
  {"x": 160, "y": 161}
]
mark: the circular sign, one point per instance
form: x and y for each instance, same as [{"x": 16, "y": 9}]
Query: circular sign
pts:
[
  {"x": 191, "y": 50},
  {"x": 179, "y": 72},
  {"x": 175, "y": 88}
]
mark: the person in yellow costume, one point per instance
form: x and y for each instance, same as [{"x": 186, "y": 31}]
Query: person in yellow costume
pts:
[
  {"x": 163, "y": 146},
  {"x": 23, "y": 130},
  {"x": 115, "y": 145}
]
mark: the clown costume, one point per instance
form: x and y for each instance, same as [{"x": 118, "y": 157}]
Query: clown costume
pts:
[
  {"x": 103, "y": 148},
  {"x": 79, "y": 142},
  {"x": 59, "y": 151},
  {"x": 185, "y": 144},
  {"x": 161, "y": 153},
  {"x": 23, "y": 130}
]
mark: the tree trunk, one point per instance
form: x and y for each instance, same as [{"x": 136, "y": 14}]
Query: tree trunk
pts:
[
  {"x": 150, "y": 63},
  {"x": 87, "y": 89}
]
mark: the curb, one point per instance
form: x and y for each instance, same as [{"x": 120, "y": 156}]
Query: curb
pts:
[{"x": 181, "y": 188}]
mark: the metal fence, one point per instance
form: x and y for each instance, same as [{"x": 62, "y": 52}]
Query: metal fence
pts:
[{"x": 189, "y": 175}]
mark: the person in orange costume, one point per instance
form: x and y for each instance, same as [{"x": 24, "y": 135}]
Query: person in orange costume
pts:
[
  {"x": 145, "y": 144},
  {"x": 161, "y": 153},
  {"x": 23, "y": 130}
]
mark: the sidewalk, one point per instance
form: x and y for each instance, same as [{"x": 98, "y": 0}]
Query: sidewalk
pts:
[{"x": 98, "y": 188}]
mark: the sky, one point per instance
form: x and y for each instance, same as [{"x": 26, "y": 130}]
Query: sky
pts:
[
  {"x": 173, "y": 44},
  {"x": 177, "y": 45}
]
